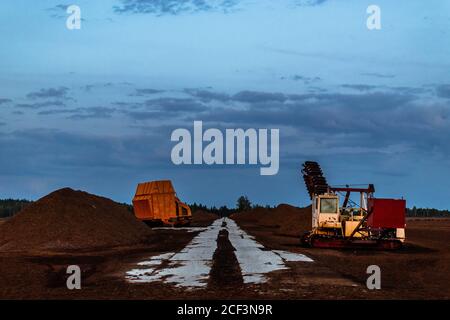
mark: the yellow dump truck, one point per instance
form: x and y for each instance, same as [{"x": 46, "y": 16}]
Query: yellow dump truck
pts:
[{"x": 156, "y": 203}]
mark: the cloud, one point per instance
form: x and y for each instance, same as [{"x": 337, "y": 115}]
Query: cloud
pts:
[
  {"x": 443, "y": 91},
  {"x": 50, "y": 151},
  {"x": 306, "y": 80},
  {"x": 58, "y": 11},
  {"x": 162, "y": 108},
  {"x": 144, "y": 92},
  {"x": 37, "y": 105},
  {"x": 144, "y": 115},
  {"x": 176, "y": 7},
  {"x": 309, "y": 2},
  {"x": 359, "y": 87},
  {"x": 378, "y": 75},
  {"x": 82, "y": 113},
  {"x": 60, "y": 92},
  {"x": 89, "y": 87},
  {"x": 175, "y": 105},
  {"x": 4, "y": 101},
  {"x": 93, "y": 113},
  {"x": 257, "y": 96},
  {"x": 173, "y": 7},
  {"x": 337, "y": 123},
  {"x": 383, "y": 132},
  {"x": 207, "y": 96}
]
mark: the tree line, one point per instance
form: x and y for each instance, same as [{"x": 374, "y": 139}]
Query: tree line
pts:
[
  {"x": 427, "y": 212},
  {"x": 242, "y": 204},
  {"x": 9, "y": 207}
]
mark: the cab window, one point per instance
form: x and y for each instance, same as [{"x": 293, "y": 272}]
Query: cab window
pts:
[{"x": 329, "y": 205}]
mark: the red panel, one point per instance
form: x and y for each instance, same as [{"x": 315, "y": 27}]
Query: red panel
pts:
[{"x": 387, "y": 213}]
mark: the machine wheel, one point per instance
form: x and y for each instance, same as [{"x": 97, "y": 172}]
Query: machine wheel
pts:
[
  {"x": 154, "y": 223},
  {"x": 305, "y": 240}
]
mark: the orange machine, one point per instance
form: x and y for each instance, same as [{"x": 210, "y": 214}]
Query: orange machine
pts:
[{"x": 156, "y": 203}]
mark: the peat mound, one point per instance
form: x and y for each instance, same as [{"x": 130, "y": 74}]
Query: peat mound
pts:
[
  {"x": 287, "y": 219},
  {"x": 70, "y": 220}
]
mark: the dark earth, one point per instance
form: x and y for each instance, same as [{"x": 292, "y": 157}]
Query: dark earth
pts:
[{"x": 420, "y": 270}]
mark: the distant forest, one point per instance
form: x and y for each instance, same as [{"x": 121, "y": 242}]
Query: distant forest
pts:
[
  {"x": 426, "y": 212},
  {"x": 9, "y": 207}
]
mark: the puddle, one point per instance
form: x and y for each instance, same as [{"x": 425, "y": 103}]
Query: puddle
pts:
[
  {"x": 188, "y": 229},
  {"x": 191, "y": 266}
]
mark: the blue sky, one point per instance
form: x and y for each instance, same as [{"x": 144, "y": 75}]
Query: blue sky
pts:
[{"x": 93, "y": 109}]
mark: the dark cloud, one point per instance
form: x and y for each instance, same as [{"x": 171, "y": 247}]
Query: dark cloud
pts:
[
  {"x": 58, "y": 11},
  {"x": 172, "y": 7},
  {"x": 378, "y": 75},
  {"x": 408, "y": 90},
  {"x": 306, "y": 80},
  {"x": 144, "y": 115},
  {"x": 57, "y": 111},
  {"x": 207, "y": 96},
  {"x": 443, "y": 91},
  {"x": 175, "y": 105},
  {"x": 93, "y": 113},
  {"x": 335, "y": 109},
  {"x": 359, "y": 87},
  {"x": 37, "y": 105},
  {"x": 310, "y": 2},
  {"x": 89, "y": 87},
  {"x": 350, "y": 123},
  {"x": 162, "y": 108},
  {"x": 82, "y": 113},
  {"x": 4, "y": 101},
  {"x": 257, "y": 96},
  {"x": 379, "y": 133},
  {"x": 60, "y": 92},
  {"x": 46, "y": 151},
  {"x": 128, "y": 105},
  {"x": 144, "y": 92}
]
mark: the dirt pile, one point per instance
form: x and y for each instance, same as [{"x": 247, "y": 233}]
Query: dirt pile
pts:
[
  {"x": 202, "y": 218},
  {"x": 289, "y": 220},
  {"x": 69, "y": 219}
]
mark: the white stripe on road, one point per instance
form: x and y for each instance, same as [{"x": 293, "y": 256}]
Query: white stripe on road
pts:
[{"x": 190, "y": 267}]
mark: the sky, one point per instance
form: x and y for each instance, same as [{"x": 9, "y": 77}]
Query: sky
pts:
[{"x": 94, "y": 109}]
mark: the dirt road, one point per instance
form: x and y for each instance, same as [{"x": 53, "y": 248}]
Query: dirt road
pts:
[{"x": 191, "y": 267}]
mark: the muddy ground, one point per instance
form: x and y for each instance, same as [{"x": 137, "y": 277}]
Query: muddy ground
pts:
[{"x": 419, "y": 271}]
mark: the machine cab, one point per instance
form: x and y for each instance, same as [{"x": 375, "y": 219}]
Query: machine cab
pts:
[{"x": 326, "y": 212}]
